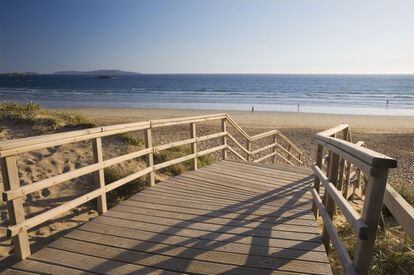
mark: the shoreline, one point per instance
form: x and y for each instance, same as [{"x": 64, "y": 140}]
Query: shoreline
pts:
[{"x": 257, "y": 119}]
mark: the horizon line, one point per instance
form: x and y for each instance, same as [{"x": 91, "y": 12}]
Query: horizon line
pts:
[{"x": 198, "y": 73}]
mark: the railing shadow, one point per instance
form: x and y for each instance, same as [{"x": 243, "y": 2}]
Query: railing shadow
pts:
[{"x": 260, "y": 234}]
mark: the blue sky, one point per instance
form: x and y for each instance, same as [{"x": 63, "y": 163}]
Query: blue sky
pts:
[{"x": 208, "y": 36}]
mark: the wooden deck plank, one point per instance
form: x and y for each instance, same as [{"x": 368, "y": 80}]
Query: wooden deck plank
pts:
[
  {"x": 255, "y": 170},
  {"x": 239, "y": 207},
  {"x": 230, "y": 217},
  {"x": 91, "y": 262},
  {"x": 35, "y": 267},
  {"x": 265, "y": 224},
  {"x": 216, "y": 186},
  {"x": 244, "y": 185},
  {"x": 191, "y": 253},
  {"x": 158, "y": 261},
  {"x": 216, "y": 213},
  {"x": 263, "y": 202},
  {"x": 261, "y": 182},
  {"x": 315, "y": 244},
  {"x": 238, "y": 248},
  {"x": 277, "y": 230}
]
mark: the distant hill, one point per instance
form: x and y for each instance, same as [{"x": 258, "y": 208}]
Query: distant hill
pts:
[{"x": 96, "y": 72}]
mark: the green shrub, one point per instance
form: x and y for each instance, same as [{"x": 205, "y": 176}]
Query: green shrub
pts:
[
  {"x": 125, "y": 191},
  {"x": 392, "y": 252},
  {"x": 43, "y": 119},
  {"x": 177, "y": 152},
  {"x": 131, "y": 139}
]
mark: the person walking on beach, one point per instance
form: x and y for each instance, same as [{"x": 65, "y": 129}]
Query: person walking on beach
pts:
[
  {"x": 252, "y": 108},
  {"x": 298, "y": 107},
  {"x": 387, "y": 103}
]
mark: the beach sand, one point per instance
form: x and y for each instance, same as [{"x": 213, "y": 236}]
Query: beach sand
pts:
[
  {"x": 260, "y": 120},
  {"x": 393, "y": 136}
]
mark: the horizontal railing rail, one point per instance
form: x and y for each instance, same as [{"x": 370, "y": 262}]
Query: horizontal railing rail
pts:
[
  {"x": 401, "y": 210},
  {"x": 343, "y": 156},
  {"x": 14, "y": 194}
]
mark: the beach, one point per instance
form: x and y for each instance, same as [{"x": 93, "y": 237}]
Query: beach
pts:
[{"x": 260, "y": 120}]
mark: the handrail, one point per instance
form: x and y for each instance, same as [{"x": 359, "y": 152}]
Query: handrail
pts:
[
  {"x": 401, "y": 210},
  {"x": 275, "y": 133},
  {"x": 341, "y": 155},
  {"x": 13, "y": 193},
  {"x": 366, "y": 155}
]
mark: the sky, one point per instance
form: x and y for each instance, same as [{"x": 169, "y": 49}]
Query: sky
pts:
[{"x": 208, "y": 36}]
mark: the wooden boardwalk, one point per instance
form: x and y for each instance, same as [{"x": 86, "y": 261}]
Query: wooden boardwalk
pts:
[{"x": 230, "y": 217}]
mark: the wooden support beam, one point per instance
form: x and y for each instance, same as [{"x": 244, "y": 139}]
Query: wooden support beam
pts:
[
  {"x": 224, "y": 138},
  {"x": 249, "y": 148},
  {"x": 150, "y": 157},
  {"x": 99, "y": 175},
  {"x": 289, "y": 149},
  {"x": 371, "y": 215},
  {"x": 15, "y": 208},
  {"x": 316, "y": 183},
  {"x": 194, "y": 145},
  {"x": 329, "y": 202},
  {"x": 274, "y": 148}
]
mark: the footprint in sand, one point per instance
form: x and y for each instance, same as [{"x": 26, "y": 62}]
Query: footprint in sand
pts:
[
  {"x": 52, "y": 150},
  {"x": 38, "y": 156},
  {"x": 46, "y": 192}
]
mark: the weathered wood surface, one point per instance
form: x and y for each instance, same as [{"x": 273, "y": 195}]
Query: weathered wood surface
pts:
[{"x": 230, "y": 217}]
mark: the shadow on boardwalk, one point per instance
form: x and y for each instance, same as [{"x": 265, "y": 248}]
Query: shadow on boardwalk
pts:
[{"x": 254, "y": 235}]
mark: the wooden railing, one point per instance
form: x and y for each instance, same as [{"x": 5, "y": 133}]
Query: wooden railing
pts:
[
  {"x": 401, "y": 210},
  {"x": 335, "y": 177},
  {"x": 13, "y": 193}
]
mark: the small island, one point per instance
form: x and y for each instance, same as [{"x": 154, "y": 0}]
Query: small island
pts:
[{"x": 106, "y": 77}]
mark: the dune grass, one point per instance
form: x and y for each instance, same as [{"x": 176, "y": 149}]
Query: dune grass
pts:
[
  {"x": 393, "y": 253},
  {"x": 176, "y": 152},
  {"x": 42, "y": 119}
]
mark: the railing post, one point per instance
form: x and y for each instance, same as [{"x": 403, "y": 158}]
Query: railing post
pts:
[
  {"x": 316, "y": 184},
  {"x": 347, "y": 180},
  {"x": 194, "y": 145},
  {"x": 341, "y": 174},
  {"x": 224, "y": 139},
  {"x": 99, "y": 175},
  {"x": 150, "y": 156},
  {"x": 274, "y": 149},
  {"x": 374, "y": 196},
  {"x": 249, "y": 148},
  {"x": 329, "y": 202},
  {"x": 290, "y": 151},
  {"x": 15, "y": 208}
]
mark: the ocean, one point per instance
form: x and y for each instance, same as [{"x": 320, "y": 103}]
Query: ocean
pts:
[{"x": 340, "y": 94}]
